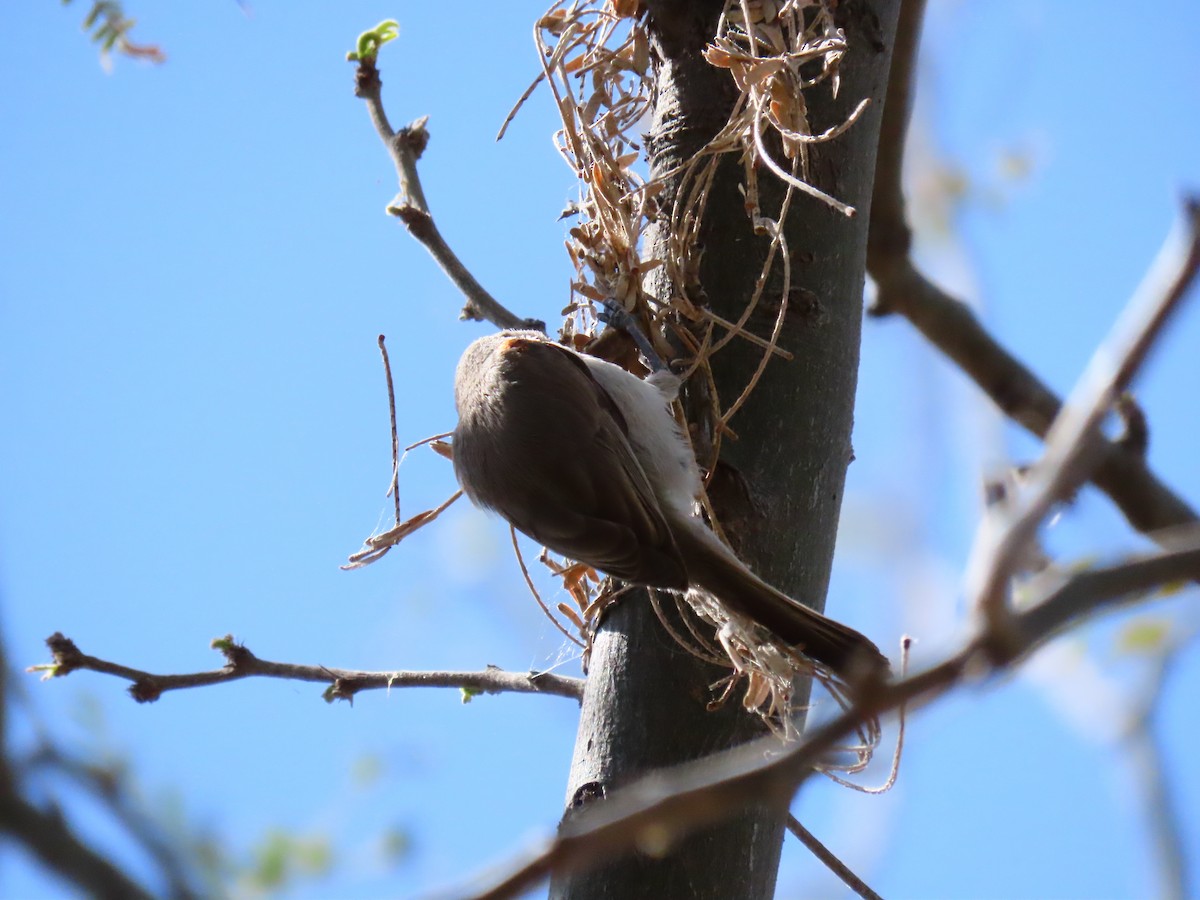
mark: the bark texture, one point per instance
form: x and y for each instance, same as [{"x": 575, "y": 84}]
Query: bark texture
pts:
[{"x": 780, "y": 485}]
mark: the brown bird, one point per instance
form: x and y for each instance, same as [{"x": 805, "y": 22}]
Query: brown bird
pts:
[{"x": 586, "y": 459}]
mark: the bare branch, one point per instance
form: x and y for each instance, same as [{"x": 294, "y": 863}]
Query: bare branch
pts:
[
  {"x": 653, "y": 812},
  {"x": 835, "y": 865},
  {"x": 1096, "y": 590},
  {"x": 890, "y": 238},
  {"x": 658, "y": 809},
  {"x": 343, "y": 683},
  {"x": 48, "y": 835},
  {"x": 1074, "y": 440},
  {"x": 1148, "y": 763},
  {"x": 1121, "y": 471},
  {"x": 108, "y": 785},
  {"x": 405, "y": 148}
]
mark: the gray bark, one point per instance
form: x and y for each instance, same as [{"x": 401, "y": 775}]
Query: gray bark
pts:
[{"x": 780, "y": 485}]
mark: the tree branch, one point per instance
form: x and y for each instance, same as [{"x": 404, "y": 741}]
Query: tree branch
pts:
[
  {"x": 1088, "y": 593},
  {"x": 343, "y": 683},
  {"x": 1159, "y": 800},
  {"x": 1074, "y": 441},
  {"x": 657, "y": 810},
  {"x": 405, "y": 148},
  {"x": 1121, "y": 471},
  {"x": 108, "y": 786},
  {"x": 50, "y": 838}
]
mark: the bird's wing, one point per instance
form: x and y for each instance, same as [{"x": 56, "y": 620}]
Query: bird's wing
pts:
[{"x": 547, "y": 449}]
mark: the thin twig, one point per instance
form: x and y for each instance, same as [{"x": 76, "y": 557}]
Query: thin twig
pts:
[
  {"x": 394, "y": 487},
  {"x": 1146, "y": 502},
  {"x": 343, "y": 683},
  {"x": 405, "y": 148},
  {"x": 734, "y": 329},
  {"x": 799, "y": 184},
  {"x": 1148, "y": 764},
  {"x": 536, "y": 594},
  {"x": 512, "y": 113},
  {"x": 825, "y": 855}
]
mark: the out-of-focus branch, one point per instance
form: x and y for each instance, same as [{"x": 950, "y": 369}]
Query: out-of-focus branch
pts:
[
  {"x": 1074, "y": 440},
  {"x": 1093, "y": 591},
  {"x": 1148, "y": 764},
  {"x": 343, "y": 683},
  {"x": 653, "y": 812},
  {"x": 405, "y": 148},
  {"x": 1121, "y": 471},
  {"x": 890, "y": 238},
  {"x": 108, "y": 785},
  {"x": 48, "y": 835}
]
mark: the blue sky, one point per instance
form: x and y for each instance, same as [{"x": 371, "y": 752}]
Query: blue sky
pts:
[{"x": 194, "y": 266}]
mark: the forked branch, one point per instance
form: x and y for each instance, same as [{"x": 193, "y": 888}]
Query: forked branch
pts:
[{"x": 1121, "y": 471}]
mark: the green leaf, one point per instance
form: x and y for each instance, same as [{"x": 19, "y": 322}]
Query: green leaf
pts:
[
  {"x": 369, "y": 42},
  {"x": 469, "y": 694}
]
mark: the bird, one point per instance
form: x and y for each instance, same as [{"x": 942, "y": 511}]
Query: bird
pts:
[{"x": 586, "y": 458}]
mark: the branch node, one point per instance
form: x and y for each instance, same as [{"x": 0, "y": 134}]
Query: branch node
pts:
[
  {"x": 342, "y": 689},
  {"x": 145, "y": 690},
  {"x": 67, "y": 657},
  {"x": 414, "y": 137},
  {"x": 416, "y": 220},
  {"x": 367, "y": 82},
  {"x": 237, "y": 657}
]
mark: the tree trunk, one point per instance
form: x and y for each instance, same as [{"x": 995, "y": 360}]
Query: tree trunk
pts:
[{"x": 780, "y": 490}]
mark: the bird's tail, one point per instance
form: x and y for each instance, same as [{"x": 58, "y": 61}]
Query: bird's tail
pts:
[{"x": 714, "y": 567}]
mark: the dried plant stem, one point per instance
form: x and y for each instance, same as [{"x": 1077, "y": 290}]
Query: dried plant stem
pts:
[
  {"x": 394, "y": 487},
  {"x": 536, "y": 594}
]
